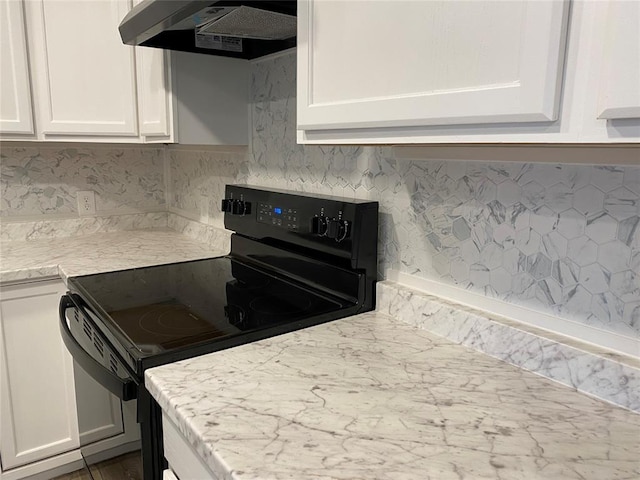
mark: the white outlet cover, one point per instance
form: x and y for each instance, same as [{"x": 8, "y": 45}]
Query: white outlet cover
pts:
[{"x": 86, "y": 203}]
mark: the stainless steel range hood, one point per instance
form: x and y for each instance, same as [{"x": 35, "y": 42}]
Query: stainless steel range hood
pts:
[{"x": 240, "y": 29}]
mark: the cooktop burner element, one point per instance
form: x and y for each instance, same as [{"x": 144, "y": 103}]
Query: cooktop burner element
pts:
[{"x": 156, "y": 327}]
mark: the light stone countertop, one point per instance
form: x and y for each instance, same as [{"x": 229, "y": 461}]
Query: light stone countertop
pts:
[
  {"x": 372, "y": 397},
  {"x": 98, "y": 252}
]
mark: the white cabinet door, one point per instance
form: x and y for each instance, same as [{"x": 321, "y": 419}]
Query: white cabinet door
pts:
[
  {"x": 38, "y": 402},
  {"x": 155, "y": 110},
  {"x": 16, "y": 116},
  {"x": 154, "y": 93},
  {"x": 99, "y": 412},
  {"x": 85, "y": 76},
  {"x": 619, "y": 95},
  {"x": 409, "y": 63}
]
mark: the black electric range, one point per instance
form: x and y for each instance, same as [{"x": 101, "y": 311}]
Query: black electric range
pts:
[{"x": 296, "y": 260}]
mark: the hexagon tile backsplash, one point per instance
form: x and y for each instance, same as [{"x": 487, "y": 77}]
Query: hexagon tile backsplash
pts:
[
  {"x": 481, "y": 227},
  {"x": 562, "y": 239},
  {"x": 40, "y": 180}
]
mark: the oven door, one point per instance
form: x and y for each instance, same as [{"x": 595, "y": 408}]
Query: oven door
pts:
[{"x": 91, "y": 350}]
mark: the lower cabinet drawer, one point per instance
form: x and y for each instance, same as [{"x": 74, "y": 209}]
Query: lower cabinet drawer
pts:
[{"x": 183, "y": 460}]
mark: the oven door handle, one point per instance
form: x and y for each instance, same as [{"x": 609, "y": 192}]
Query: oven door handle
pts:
[{"x": 122, "y": 388}]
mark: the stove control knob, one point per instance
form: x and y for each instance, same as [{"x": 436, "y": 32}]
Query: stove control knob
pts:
[
  {"x": 338, "y": 229},
  {"x": 319, "y": 226},
  {"x": 226, "y": 205},
  {"x": 333, "y": 227},
  {"x": 239, "y": 207}
]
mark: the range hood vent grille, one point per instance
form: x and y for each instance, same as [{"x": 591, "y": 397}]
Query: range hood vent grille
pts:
[
  {"x": 249, "y": 22},
  {"x": 245, "y": 29}
]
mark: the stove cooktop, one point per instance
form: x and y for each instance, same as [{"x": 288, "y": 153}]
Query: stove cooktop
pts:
[{"x": 168, "y": 307}]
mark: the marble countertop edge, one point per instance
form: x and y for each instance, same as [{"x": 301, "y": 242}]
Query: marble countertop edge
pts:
[{"x": 31, "y": 274}]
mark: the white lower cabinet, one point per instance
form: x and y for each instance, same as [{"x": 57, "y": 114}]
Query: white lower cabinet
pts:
[
  {"x": 38, "y": 395},
  {"x": 49, "y": 408},
  {"x": 183, "y": 460},
  {"x": 99, "y": 412},
  {"x": 107, "y": 426}
]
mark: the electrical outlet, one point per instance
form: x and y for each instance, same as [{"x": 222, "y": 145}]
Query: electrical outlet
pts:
[{"x": 86, "y": 202}]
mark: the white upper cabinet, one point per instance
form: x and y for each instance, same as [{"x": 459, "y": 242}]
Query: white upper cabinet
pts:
[
  {"x": 153, "y": 75},
  {"x": 15, "y": 89},
  {"x": 84, "y": 75},
  {"x": 456, "y": 71},
  {"x": 407, "y": 63},
  {"x": 154, "y": 99},
  {"x": 619, "y": 94},
  {"x": 90, "y": 87}
]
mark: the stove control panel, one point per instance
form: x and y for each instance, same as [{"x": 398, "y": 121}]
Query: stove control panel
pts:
[
  {"x": 329, "y": 241},
  {"x": 334, "y": 225},
  {"x": 278, "y": 215}
]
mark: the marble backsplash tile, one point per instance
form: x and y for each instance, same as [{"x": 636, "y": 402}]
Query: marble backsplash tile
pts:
[
  {"x": 218, "y": 239},
  {"x": 42, "y": 180},
  {"x": 556, "y": 238},
  {"x": 197, "y": 180}
]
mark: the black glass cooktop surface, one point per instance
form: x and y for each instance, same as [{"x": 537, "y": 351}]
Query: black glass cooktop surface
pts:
[{"x": 166, "y": 307}]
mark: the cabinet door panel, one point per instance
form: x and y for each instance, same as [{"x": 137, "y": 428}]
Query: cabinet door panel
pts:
[
  {"x": 99, "y": 412},
  {"x": 153, "y": 91},
  {"x": 85, "y": 76},
  {"x": 619, "y": 95},
  {"x": 469, "y": 62},
  {"x": 15, "y": 97},
  {"x": 38, "y": 403}
]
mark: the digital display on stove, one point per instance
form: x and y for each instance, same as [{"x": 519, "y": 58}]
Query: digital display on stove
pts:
[{"x": 283, "y": 216}]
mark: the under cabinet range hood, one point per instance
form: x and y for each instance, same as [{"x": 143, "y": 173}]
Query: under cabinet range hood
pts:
[{"x": 240, "y": 29}]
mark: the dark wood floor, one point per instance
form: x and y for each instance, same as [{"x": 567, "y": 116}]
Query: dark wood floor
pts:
[{"x": 125, "y": 467}]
